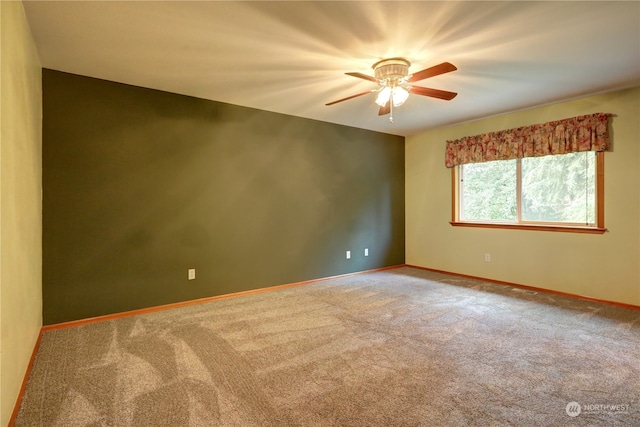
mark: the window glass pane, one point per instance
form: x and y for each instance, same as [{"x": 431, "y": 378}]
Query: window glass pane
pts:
[
  {"x": 559, "y": 188},
  {"x": 488, "y": 191}
]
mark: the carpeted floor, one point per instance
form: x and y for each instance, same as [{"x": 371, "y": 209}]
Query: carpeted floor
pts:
[{"x": 402, "y": 347}]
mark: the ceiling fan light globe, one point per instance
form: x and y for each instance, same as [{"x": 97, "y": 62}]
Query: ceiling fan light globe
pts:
[
  {"x": 383, "y": 96},
  {"x": 399, "y": 96}
]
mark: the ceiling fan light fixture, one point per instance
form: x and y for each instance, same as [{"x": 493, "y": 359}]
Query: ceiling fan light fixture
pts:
[
  {"x": 391, "y": 74},
  {"x": 399, "y": 95},
  {"x": 383, "y": 96}
]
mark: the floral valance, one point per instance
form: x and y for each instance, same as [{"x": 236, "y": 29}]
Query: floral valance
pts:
[{"x": 583, "y": 133}]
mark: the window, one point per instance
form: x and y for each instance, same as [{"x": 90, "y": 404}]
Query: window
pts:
[
  {"x": 561, "y": 192},
  {"x": 547, "y": 176}
]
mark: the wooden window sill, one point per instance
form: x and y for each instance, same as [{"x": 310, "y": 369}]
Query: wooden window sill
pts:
[{"x": 557, "y": 228}]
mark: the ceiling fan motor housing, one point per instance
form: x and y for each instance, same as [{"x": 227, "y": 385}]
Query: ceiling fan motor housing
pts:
[{"x": 391, "y": 70}]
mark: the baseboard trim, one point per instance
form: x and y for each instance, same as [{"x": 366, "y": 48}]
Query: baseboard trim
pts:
[
  {"x": 105, "y": 317},
  {"x": 25, "y": 381},
  {"x": 530, "y": 288},
  {"x": 73, "y": 323}
]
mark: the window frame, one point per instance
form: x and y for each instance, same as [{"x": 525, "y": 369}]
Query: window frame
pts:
[{"x": 599, "y": 228}]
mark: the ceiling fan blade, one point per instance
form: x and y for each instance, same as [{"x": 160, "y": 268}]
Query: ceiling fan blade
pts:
[
  {"x": 363, "y": 76},
  {"x": 385, "y": 110},
  {"x": 436, "y": 70},
  {"x": 434, "y": 93},
  {"x": 349, "y": 97}
]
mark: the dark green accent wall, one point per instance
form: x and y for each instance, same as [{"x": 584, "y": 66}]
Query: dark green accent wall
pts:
[{"x": 140, "y": 185}]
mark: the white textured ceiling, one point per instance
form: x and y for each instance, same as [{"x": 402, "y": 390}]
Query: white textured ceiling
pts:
[{"x": 290, "y": 57}]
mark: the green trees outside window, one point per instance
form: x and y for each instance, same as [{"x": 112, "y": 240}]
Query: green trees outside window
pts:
[{"x": 555, "y": 189}]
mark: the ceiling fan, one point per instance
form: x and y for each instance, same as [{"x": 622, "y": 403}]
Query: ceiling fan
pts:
[{"x": 394, "y": 83}]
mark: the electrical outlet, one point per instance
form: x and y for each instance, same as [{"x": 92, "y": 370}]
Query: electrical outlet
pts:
[
  {"x": 348, "y": 254},
  {"x": 366, "y": 251},
  {"x": 487, "y": 257},
  {"x": 192, "y": 274}
]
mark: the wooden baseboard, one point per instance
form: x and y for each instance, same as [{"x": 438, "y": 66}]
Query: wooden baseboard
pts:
[
  {"x": 531, "y": 288},
  {"x": 306, "y": 282},
  {"x": 25, "y": 381},
  {"x": 44, "y": 328},
  {"x": 80, "y": 322},
  {"x": 268, "y": 289}
]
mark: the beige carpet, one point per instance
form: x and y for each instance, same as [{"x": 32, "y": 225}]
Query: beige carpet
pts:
[{"x": 402, "y": 347}]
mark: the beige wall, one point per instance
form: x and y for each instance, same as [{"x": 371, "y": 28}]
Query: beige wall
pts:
[
  {"x": 599, "y": 266},
  {"x": 20, "y": 202}
]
